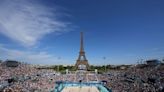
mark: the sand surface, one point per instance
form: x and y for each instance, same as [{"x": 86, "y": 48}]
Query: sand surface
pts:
[{"x": 80, "y": 89}]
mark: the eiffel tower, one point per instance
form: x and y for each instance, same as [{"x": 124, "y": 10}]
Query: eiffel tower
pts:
[{"x": 82, "y": 62}]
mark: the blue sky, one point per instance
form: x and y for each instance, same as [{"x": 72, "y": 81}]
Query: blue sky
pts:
[{"x": 48, "y": 31}]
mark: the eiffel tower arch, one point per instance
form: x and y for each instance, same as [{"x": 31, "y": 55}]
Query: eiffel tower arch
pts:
[{"x": 82, "y": 62}]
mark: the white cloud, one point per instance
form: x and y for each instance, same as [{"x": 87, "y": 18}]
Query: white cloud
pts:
[
  {"x": 26, "y": 21},
  {"x": 31, "y": 57}
]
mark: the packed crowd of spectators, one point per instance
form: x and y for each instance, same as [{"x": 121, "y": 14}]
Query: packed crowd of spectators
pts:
[
  {"x": 136, "y": 79},
  {"x": 27, "y": 78}
]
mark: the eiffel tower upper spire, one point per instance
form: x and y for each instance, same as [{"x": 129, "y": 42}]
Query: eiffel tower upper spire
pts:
[
  {"x": 82, "y": 52},
  {"x": 81, "y": 43}
]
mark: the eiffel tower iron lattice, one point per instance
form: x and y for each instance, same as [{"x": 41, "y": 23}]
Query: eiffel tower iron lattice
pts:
[{"x": 82, "y": 62}]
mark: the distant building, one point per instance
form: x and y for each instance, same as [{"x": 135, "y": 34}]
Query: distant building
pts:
[
  {"x": 11, "y": 63},
  {"x": 123, "y": 67},
  {"x": 153, "y": 62}
]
